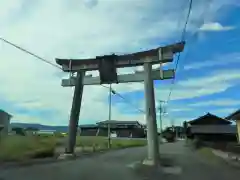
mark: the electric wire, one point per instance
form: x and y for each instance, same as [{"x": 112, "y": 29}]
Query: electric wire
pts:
[
  {"x": 56, "y": 66},
  {"x": 193, "y": 37},
  {"x": 30, "y": 53},
  {"x": 122, "y": 97},
  {"x": 179, "y": 54}
]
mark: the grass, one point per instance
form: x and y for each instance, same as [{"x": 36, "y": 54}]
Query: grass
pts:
[
  {"x": 20, "y": 148},
  {"x": 208, "y": 155},
  {"x": 206, "y": 152},
  {"x": 102, "y": 142}
]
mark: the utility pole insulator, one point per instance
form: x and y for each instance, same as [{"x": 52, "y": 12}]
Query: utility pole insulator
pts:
[{"x": 113, "y": 91}]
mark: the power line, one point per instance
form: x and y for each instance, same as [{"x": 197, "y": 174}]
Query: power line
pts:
[
  {"x": 194, "y": 36},
  {"x": 30, "y": 53},
  {"x": 48, "y": 62},
  {"x": 179, "y": 54},
  {"x": 122, "y": 97},
  {"x": 186, "y": 22},
  {"x": 183, "y": 34}
]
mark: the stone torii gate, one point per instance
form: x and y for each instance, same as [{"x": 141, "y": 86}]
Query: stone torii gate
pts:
[{"x": 107, "y": 66}]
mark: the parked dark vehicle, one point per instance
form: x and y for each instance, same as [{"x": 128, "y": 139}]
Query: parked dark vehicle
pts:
[{"x": 169, "y": 135}]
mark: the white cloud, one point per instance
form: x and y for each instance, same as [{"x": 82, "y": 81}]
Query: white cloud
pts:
[
  {"x": 180, "y": 109},
  {"x": 27, "y": 118},
  {"x": 33, "y": 104},
  {"x": 215, "y": 26},
  {"x": 223, "y": 112},
  {"x": 61, "y": 31},
  {"x": 75, "y": 29},
  {"x": 214, "y": 78},
  {"x": 196, "y": 87},
  {"x": 218, "y": 102},
  {"x": 7, "y": 8},
  {"x": 222, "y": 60},
  {"x": 220, "y": 81},
  {"x": 90, "y": 3},
  {"x": 215, "y": 82}
]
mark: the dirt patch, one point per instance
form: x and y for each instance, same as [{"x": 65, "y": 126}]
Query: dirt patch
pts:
[
  {"x": 148, "y": 172},
  {"x": 166, "y": 170},
  {"x": 167, "y": 161}
]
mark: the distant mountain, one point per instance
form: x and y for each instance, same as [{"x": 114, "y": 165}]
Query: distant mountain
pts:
[{"x": 40, "y": 126}]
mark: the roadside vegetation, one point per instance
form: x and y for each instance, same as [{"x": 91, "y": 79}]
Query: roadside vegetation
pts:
[{"x": 22, "y": 148}]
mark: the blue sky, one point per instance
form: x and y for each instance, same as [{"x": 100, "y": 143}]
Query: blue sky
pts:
[{"x": 207, "y": 78}]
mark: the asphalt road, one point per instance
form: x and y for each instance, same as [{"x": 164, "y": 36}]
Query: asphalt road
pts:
[
  {"x": 117, "y": 165},
  {"x": 109, "y": 166},
  {"x": 198, "y": 167}
]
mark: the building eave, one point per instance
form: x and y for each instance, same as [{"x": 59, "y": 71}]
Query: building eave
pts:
[{"x": 234, "y": 115}]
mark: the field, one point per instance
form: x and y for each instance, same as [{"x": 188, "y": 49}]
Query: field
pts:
[{"x": 21, "y": 148}]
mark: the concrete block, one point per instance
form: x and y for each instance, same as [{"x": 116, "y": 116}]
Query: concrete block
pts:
[
  {"x": 148, "y": 162},
  {"x": 66, "y": 156},
  {"x": 175, "y": 170}
]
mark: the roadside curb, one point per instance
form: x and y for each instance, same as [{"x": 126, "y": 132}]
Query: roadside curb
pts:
[{"x": 231, "y": 158}]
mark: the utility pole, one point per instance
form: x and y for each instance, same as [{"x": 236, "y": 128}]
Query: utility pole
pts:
[
  {"x": 107, "y": 66},
  {"x": 174, "y": 128},
  {"x": 109, "y": 116},
  {"x": 161, "y": 111}
]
